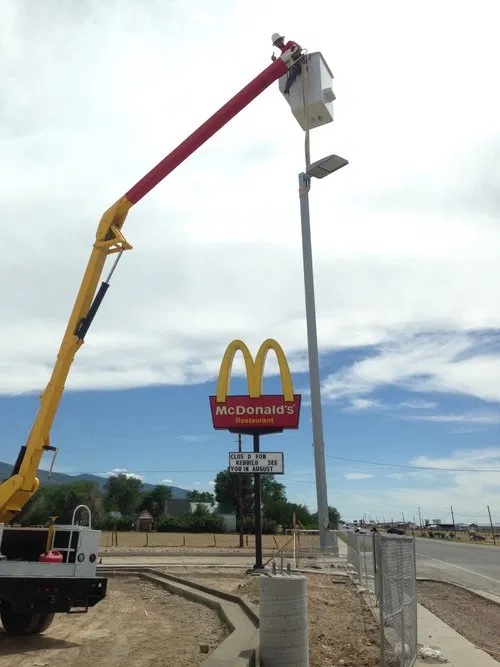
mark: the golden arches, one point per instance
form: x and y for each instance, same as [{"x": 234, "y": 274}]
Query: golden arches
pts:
[{"x": 254, "y": 370}]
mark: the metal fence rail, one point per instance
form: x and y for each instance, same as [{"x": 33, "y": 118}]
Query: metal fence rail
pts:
[
  {"x": 352, "y": 552},
  {"x": 396, "y": 592},
  {"x": 386, "y": 566},
  {"x": 360, "y": 558}
]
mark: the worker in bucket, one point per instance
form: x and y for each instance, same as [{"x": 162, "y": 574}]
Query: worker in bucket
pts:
[
  {"x": 279, "y": 43},
  {"x": 295, "y": 70}
]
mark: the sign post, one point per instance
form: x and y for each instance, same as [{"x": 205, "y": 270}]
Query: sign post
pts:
[
  {"x": 255, "y": 414},
  {"x": 257, "y": 486}
]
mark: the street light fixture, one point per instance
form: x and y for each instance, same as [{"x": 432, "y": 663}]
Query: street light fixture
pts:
[
  {"x": 326, "y": 166},
  {"x": 318, "y": 169}
]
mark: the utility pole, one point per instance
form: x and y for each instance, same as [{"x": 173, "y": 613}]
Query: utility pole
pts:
[
  {"x": 420, "y": 519},
  {"x": 453, "y": 521},
  {"x": 403, "y": 515},
  {"x": 492, "y": 528},
  {"x": 241, "y": 517}
]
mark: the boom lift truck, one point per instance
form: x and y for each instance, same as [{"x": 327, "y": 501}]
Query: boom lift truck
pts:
[{"x": 51, "y": 570}]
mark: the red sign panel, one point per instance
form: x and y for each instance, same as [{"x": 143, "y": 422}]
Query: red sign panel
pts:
[{"x": 269, "y": 411}]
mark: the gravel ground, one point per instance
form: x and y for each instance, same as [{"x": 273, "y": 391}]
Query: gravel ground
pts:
[
  {"x": 477, "y": 619},
  {"x": 137, "y": 624},
  {"x": 341, "y": 628}
]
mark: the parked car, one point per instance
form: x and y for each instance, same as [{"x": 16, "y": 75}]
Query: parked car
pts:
[{"x": 396, "y": 531}]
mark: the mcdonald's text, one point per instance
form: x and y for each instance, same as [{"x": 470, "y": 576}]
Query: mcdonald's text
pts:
[{"x": 268, "y": 411}]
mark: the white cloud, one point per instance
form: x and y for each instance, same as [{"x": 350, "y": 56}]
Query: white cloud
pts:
[
  {"x": 470, "y": 417},
  {"x": 418, "y": 404},
  {"x": 446, "y": 362},
  {"x": 357, "y": 475},
  {"x": 468, "y": 492},
  {"x": 468, "y": 481},
  {"x": 212, "y": 483},
  {"x": 193, "y": 438},
  {"x": 477, "y": 459},
  {"x": 122, "y": 471},
  {"x": 167, "y": 482},
  {"x": 403, "y": 242},
  {"x": 358, "y": 404}
]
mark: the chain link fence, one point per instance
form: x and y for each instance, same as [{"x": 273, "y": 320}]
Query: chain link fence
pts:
[
  {"x": 386, "y": 566},
  {"x": 395, "y": 566},
  {"x": 303, "y": 549},
  {"x": 360, "y": 558}
]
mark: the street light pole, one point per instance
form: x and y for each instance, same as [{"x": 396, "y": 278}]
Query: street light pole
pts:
[{"x": 318, "y": 169}]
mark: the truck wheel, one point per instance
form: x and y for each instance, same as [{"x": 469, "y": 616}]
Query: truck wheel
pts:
[
  {"x": 31, "y": 623},
  {"x": 44, "y": 622}
]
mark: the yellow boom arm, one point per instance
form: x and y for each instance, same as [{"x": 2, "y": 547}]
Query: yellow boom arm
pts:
[{"x": 23, "y": 483}]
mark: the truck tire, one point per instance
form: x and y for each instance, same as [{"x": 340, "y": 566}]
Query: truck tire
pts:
[
  {"x": 44, "y": 622},
  {"x": 31, "y": 623}
]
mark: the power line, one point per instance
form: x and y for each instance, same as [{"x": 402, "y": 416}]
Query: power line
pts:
[
  {"x": 128, "y": 435},
  {"x": 160, "y": 472},
  {"x": 412, "y": 467},
  {"x": 135, "y": 472}
]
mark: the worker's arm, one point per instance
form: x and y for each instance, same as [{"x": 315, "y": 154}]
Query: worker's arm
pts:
[{"x": 23, "y": 483}]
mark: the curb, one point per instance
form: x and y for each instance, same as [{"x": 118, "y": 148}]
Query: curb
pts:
[{"x": 240, "y": 648}]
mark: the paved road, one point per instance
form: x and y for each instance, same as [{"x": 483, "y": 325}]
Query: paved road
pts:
[{"x": 473, "y": 566}]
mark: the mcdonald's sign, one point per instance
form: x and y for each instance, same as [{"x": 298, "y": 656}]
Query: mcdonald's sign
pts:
[{"x": 255, "y": 412}]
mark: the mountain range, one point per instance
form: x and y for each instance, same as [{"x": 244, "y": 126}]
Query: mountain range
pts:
[{"x": 63, "y": 478}]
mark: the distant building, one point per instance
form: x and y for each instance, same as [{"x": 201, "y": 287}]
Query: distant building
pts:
[
  {"x": 228, "y": 516},
  {"x": 483, "y": 526},
  {"x": 187, "y": 507},
  {"x": 144, "y": 522},
  {"x": 183, "y": 507}
]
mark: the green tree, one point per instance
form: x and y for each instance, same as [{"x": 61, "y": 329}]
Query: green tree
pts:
[
  {"x": 227, "y": 490},
  {"x": 123, "y": 494},
  {"x": 272, "y": 491},
  {"x": 60, "y": 500},
  {"x": 201, "y": 497},
  {"x": 282, "y": 513},
  {"x": 154, "y": 500},
  {"x": 202, "y": 520},
  {"x": 334, "y": 518},
  {"x": 34, "y": 513}
]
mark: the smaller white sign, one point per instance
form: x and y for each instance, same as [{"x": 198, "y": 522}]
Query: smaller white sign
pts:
[{"x": 263, "y": 463}]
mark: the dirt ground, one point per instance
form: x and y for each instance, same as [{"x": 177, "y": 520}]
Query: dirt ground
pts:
[
  {"x": 477, "y": 619},
  {"x": 221, "y": 541},
  {"x": 128, "y": 540},
  {"x": 137, "y": 624},
  {"x": 340, "y": 626}
]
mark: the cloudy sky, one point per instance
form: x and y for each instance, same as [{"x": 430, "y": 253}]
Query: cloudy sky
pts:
[{"x": 406, "y": 239}]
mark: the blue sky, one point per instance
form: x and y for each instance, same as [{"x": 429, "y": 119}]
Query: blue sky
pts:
[
  {"x": 165, "y": 433},
  {"x": 406, "y": 240}
]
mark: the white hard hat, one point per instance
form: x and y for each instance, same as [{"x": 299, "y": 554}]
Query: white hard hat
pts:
[{"x": 277, "y": 36}]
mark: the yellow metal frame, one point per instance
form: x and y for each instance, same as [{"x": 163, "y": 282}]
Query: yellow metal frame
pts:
[
  {"x": 254, "y": 370},
  {"x": 18, "y": 489}
]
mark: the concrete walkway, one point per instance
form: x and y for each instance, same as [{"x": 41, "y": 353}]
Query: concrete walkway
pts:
[{"x": 458, "y": 651}]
